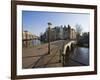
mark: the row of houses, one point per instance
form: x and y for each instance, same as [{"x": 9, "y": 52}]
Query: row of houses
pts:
[
  {"x": 28, "y": 36},
  {"x": 58, "y": 33},
  {"x": 28, "y": 39}
]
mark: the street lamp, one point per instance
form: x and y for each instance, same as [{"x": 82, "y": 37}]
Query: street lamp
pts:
[
  {"x": 49, "y": 26},
  {"x": 26, "y": 38}
]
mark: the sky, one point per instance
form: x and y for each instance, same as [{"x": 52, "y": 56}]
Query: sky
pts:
[{"x": 36, "y": 21}]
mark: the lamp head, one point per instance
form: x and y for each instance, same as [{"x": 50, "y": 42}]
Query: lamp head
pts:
[{"x": 49, "y": 23}]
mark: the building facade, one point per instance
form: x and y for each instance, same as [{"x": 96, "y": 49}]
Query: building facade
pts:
[{"x": 59, "y": 33}]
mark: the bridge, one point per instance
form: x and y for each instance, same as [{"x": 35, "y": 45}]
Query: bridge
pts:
[{"x": 67, "y": 47}]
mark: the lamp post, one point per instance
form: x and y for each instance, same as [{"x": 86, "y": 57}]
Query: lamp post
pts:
[
  {"x": 26, "y": 39},
  {"x": 49, "y": 26}
]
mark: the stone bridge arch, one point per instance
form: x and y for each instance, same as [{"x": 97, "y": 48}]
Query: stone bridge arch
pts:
[{"x": 69, "y": 46}]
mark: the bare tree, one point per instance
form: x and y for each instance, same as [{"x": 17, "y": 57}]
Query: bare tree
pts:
[
  {"x": 78, "y": 28},
  {"x": 78, "y": 31}
]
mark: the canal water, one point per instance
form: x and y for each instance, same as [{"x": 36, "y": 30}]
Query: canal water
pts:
[
  {"x": 78, "y": 57},
  {"x": 36, "y": 42},
  {"x": 31, "y": 43}
]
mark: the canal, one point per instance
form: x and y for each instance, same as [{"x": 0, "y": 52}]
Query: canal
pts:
[
  {"x": 36, "y": 42},
  {"x": 78, "y": 57}
]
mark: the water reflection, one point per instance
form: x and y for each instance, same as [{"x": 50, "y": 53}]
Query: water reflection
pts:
[
  {"x": 30, "y": 43},
  {"x": 36, "y": 42}
]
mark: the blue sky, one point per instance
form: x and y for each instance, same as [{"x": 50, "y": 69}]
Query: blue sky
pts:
[{"x": 36, "y": 21}]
